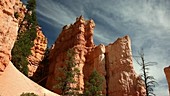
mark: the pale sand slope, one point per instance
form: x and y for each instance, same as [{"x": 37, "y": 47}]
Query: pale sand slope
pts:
[{"x": 14, "y": 83}]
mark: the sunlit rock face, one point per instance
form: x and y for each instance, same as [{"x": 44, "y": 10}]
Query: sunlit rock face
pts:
[
  {"x": 8, "y": 31},
  {"x": 167, "y": 73},
  {"x": 37, "y": 52},
  {"x": 78, "y": 36},
  {"x": 113, "y": 62},
  {"x": 121, "y": 77}
]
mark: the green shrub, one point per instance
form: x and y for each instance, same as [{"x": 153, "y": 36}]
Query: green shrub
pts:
[
  {"x": 21, "y": 51},
  {"x": 93, "y": 87},
  {"x": 69, "y": 71},
  {"x": 28, "y": 94}
]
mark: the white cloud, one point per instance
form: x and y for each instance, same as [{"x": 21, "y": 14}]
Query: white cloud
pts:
[{"x": 55, "y": 12}]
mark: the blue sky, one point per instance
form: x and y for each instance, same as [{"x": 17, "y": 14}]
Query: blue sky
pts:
[{"x": 147, "y": 22}]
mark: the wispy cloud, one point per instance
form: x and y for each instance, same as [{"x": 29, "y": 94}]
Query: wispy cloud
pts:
[
  {"x": 146, "y": 21},
  {"x": 55, "y": 12}
]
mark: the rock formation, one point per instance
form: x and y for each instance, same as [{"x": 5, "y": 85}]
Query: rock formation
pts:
[
  {"x": 78, "y": 37},
  {"x": 167, "y": 73},
  {"x": 8, "y": 31},
  {"x": 19, "y": 11},
  {"x": 40, "y": 42},
  {"x": 37, "y": 52},
  {"x": 13, "y": 82},
  {"x": 121, "y": 77},
  {"x": 113, "y": 62}
]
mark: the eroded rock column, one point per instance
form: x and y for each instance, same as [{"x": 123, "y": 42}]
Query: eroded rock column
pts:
[
  {"x": 113, "y": 62},
  {"x": 77, "y": 36},
  {"x": 122, "y": 79},
  {"x": 37, "y": 52}
]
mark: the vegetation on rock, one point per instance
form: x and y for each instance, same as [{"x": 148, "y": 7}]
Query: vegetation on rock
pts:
[
  {"x": 28, "y": 94},
  {"x": 93, "y": 87},
  {"x": 24, "y": 42},
  {"x": 70, "y": 72}
]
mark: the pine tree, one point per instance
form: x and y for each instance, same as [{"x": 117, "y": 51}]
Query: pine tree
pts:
[
  {"x": 149, "y": 80},
  {"x": 24, "y": 42},
  {"x": 70, "y": 72},
  {"x": 93, "y": 87}
]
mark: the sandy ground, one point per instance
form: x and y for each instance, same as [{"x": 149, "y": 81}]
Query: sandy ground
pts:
[{"x": 14, "y": 83}]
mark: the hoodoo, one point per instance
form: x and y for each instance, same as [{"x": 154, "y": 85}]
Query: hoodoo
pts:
[{"x": 113, "y": 62}]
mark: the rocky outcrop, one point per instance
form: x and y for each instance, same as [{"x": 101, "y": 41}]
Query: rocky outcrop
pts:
[
  {"x": 40, "y": 42},
  {"x": 12, "y": 14},
  {"x": 13, "y": 82},
  {"x": 19, "y": 11},
  {"x": 113, "y": 62},
  {"x": 121, "y": 77},
  {"x": 77, "y": 36},
  {"x": 8, "y": 31},
  {"x": 167, "y": 73},
  {"x": 37, "y": 52}
]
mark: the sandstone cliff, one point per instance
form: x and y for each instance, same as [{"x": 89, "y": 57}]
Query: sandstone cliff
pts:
[
  {"x": 19, "y": 11},
  {"x": 8, "y": 31},
  {"x": 37, "y": 52},
  {"x": 121, "y": 77},
  {"x": 78, "y": 37},
  {"x": 167, "y": 73},
  {"x": 113, "y": 62},
  {"x": 13, "y": 82}
]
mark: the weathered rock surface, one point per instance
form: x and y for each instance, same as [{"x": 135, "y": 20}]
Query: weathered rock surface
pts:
[
  {"x": 113, "y": 62},
  {"x": 19, "y": 11},
  {"x": 121, "y": 77},
  {"x": 37, "y": 52},
  {"x": 77, "y": 36},
  {"x": 13, "y": 82},
  {"x": 8, "y": 31},
  {"x": 167, "y": 73},
  {"x": 40, "y": 42},
  {"x": 95, "y": 59}
]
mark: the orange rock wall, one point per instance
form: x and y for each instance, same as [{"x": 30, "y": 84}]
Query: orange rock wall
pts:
[
  {"x": 113, "y": 62},
  {"x": 13, "y": 82},
  {"x": 20, "y": 10},
  {"x": 95, "y": 59},
  {"x": 121, "y": 77},
  {"x": 77, "y": 36},
  {"x": 8, "y": 31},
  {"x": 37, "y": 52}
]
